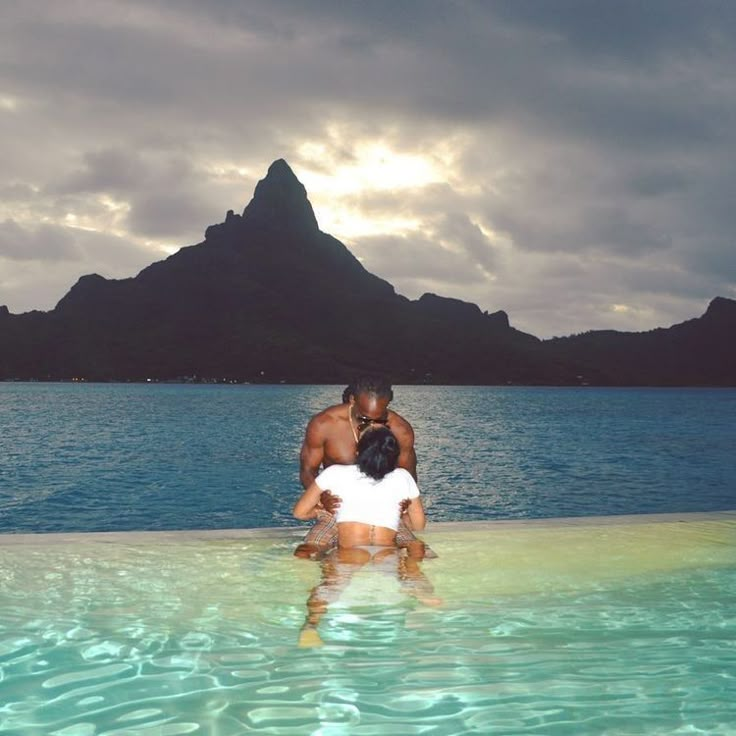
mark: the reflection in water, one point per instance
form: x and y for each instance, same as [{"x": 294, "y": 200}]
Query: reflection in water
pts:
[{"x": 359, "y": 577}]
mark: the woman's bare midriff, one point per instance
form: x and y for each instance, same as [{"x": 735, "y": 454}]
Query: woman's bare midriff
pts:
[{"x": 355, "y": 534}]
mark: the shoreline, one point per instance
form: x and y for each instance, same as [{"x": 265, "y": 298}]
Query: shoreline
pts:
[{"x": 238, "y": 382}]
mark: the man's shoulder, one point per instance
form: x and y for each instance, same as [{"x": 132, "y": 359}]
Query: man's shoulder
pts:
[
  {"x": 399, "y": 425},
  {"x": 328, "y": 415},
  {"x": 395, "y": 417}
]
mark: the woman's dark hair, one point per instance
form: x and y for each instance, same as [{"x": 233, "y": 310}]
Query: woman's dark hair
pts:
[{"x": 378, "y": 452}]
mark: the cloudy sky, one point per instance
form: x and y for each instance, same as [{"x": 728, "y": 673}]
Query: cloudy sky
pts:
[{"x": 573, "y": 163}]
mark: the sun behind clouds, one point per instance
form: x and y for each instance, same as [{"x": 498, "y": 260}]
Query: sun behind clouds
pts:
[{"x": 336, "y": 179}]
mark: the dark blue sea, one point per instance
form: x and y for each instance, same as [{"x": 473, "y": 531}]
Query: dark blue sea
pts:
[{"x": 100, "y": 457}]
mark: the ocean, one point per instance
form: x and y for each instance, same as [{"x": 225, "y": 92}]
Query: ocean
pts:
[{"x": 118, "y": 457}]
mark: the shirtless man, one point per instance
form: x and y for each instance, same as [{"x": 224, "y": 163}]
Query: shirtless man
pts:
[{"x": 332, "y": 438}]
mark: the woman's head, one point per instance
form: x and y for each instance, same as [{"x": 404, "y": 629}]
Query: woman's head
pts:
[{"x": 378, "y": 452}]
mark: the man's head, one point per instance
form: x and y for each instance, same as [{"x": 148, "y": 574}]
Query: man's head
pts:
[{"x": 371, "y": 396}]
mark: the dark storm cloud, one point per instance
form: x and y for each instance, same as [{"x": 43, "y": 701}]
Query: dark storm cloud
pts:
[
  {"x": 116, "y": 171},
  {"x": 47, "y": 243},
  {"x": 526, "y": 62},
  {"x": 629, "y": 30},
  {"x": 17, "y": 192},
  {"x": 461, "y": 233},
  {"x": 171, "y": 214},
  {"x": 55, "y": 243},
  {"x": 417, "y": 259},
  {"x": 167, "y": 196},
  {"x": 39, "y": 264}
]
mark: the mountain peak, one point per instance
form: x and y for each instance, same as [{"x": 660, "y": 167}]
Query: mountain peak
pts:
[
  {"x": 721, "y": 308},
  {"x": 280, "y": 201},
  {"x": 279, "y": 168}
]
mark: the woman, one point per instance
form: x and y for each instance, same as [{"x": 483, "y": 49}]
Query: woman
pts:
[{"x": 373, "y": 493}]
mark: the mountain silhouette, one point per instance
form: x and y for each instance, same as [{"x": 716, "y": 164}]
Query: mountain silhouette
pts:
[
  {"x": 269, "y": 297},
  {"x": 698, "y": 352}
]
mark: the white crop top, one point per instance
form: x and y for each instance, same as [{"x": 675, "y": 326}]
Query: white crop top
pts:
[{"x": 367, "y": 500}]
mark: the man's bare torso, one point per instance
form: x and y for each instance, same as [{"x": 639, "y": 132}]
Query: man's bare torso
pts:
[
  {"x": 341, "y": 444},
  {"x": 332, "y": 435},
  {"x": 340, "y": 434}
]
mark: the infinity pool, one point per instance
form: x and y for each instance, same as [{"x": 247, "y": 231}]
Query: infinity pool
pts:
[{"x": 610, "y": 625}]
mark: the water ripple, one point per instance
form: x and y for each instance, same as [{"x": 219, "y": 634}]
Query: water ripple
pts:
[{"x": 200, "y": 637}]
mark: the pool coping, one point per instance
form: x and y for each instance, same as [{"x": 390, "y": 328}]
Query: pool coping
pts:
[{"x": 285, "y": 532}]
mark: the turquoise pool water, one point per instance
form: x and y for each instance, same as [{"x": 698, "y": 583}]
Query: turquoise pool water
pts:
[{"x": 609, "y": 625}]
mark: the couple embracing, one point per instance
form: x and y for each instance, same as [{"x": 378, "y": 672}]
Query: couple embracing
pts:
[
  {"x": 366, "y": 497},
  {"x": 365, "y": 501}
]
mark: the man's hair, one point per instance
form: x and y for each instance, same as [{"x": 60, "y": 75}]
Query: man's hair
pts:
[
  {"x": 373, "y": 385},
  {"x": 347, "y": 393},
  {"x": 378, "y": 452}
]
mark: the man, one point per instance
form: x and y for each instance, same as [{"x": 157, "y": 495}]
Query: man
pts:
[{"x": 332, "y": 438}]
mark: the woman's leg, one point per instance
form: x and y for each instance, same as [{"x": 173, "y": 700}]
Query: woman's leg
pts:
[
  {"x": 338, "y": 567},
  {"x": 319, "y": 539}
]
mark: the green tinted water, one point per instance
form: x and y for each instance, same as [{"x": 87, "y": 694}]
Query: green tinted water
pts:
[{"x": 616, "y": 625}]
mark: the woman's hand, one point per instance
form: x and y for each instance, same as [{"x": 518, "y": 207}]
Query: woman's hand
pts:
[
  {"x": 329, "y": 502},
  {"x": 305, "y": 508}
]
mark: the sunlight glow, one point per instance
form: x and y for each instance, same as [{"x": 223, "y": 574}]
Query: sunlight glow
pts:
[
  {"x": 227, "y": 172},
  {"x": 336, "y": 174},
  {"x": 108, "y": 217},
  {"x": 113, "y": 205},
  {"x": 347, "y": 222},
  {"x": 8, "y": 103},
  {"x": 370, "y": 166}
]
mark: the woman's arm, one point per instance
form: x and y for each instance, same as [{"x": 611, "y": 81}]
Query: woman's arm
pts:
[
  {"x": 305, "y": 508},
  {"x": 415, "y": 512}
]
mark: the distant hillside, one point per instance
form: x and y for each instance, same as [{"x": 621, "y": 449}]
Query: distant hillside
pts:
[
  {"x": 699, "y": 352},
  {"x": 269, "y": 297}
]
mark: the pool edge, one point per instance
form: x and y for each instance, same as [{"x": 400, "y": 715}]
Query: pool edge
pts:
[{"x": 11, "y": 539}]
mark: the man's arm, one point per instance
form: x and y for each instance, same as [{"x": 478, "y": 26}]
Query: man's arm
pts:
[
  {"x": 312, "y": 452},
  {"x": 407, "y": 456},
  {"x": 311, "y": 457}
]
